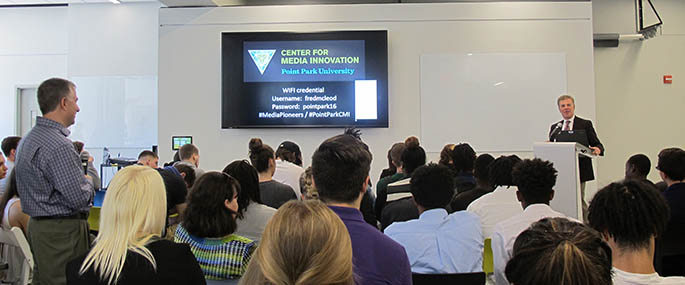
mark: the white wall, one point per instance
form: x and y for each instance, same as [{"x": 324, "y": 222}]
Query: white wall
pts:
[
  {"x": 636, "y": 112},
  {"x": 190, "y": 58},
  {"x": 33, "y": 47},
  {"x": 109, "y": 51}
]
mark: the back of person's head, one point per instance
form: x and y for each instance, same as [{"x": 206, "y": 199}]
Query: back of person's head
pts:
[
  {"x": 51, "y": 92},
  {"x": 559, "y": 251},
  {"x": 248, "y": 178},
  {"x": 187, "y": 151},
  {"x": 672, "y": 163},
  {"x": 133, "y": 213},
  {"x": 396, "y": 153},
  {"x": 206, "y": 215},
  {"x": 463, "y": 157},
  {"x": 188, "y": 174},
  {"x": 147, "y": 154},
  {"x": 535, "y": 179},
  {"x": 260, "y": 154},
  {"x": 413, "y": 155},
  {"x": 176, "y": 158},
  {"x": 289, "y": 151},
  {"x": 500, "y": 170},
  {"x": 630, "y": 212},
  {"x": 10, "y": 143},
  {"x": 432, "y": 186},
  {"x": 638, "y": 166},
  {"x": 303, "y": 243},
  {"x": 173, "y": 183},
  {"x": 446, "y": 155},
  {"x": 78, "y": 145},
  {"x": 307, "y": 188},
  {"x": 340, "y": 167},
  {"x": 481, "y": 167},
  {"x": 10, "y": 192}
]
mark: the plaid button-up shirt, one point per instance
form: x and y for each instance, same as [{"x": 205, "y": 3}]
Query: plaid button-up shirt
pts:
[{"x": 50, "y": 179}]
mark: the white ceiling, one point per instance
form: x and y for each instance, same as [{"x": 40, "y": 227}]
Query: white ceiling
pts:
[{"x": 43, "y": 2}]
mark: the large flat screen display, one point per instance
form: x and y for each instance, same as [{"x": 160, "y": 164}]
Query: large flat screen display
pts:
[{"x": 323, "y": 79}]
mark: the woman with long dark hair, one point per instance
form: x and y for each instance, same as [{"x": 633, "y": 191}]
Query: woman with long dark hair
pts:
[{"x": 209, "y": 224}]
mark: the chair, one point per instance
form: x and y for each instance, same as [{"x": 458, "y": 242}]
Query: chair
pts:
[
  {"x": 475, "y": 278},
  {"x": 14, "y": 239}
]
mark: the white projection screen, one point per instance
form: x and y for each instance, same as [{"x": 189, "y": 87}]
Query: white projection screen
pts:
[{"x": 497, "y": 102}]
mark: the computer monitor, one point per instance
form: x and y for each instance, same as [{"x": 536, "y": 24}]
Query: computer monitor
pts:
[{"x": 178, "y": 141}]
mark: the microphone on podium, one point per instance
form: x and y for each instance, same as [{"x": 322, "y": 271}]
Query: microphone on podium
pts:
[{"x": 555, "y": 131}]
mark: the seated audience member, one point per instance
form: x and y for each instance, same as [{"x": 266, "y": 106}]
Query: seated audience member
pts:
[
  {"x": 187, "y": 173},
  {"x": 630, "y": 215},
  {"x": 307, "y": 189},
  {"x": 174, "y": 160},
  {"x": 637, "y": 168},
  {"x": 90, "y": 168},
  {"x": 3, "y": 167},
  {"x": 9, "y": 148},
  {"x": 483, "y": 186},
  {"x": 340, "y": 169},
  {"x": 535, "y": 180},
  {"x": 287, "y": 170},
  {"x": 671, "y": 168},
  {"x": 446, "y": 156},
  {"x": 148, "y": 158},
  {"x": 391, "y": 170},
  {"x": 129, "y": 248},
  {"x": 11, "y": 215},
  {"x": 399, "y": 205},
  {"x": 382, "y": 187},
  {"x": 463, "y": 158},
  {"x": 438, "y": 243},
  {"x": 502, "y": 203},
  {"x": 559, "y": 251},
  {"x": 208, "y": 226},
  {"x": 273, "y": 193},
  {"x": 304, "y": 243},
  {"x": 176, "y": 191},
  {"x": 252, "y": 215},
  {"x": 190, "y": 155}
]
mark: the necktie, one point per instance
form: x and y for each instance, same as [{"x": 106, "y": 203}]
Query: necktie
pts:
[{"x": 566, "y": 125}]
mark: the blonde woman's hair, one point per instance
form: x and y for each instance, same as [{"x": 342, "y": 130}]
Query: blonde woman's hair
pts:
[
  {"x": 303, "y": 243},
  {"x": 133, "y": 213}
]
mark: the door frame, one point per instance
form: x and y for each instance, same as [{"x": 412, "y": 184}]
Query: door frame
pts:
[{"x": 17, "y": 108}]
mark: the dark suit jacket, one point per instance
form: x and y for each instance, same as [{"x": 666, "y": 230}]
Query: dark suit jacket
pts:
[{"x": 585, "y": 164}]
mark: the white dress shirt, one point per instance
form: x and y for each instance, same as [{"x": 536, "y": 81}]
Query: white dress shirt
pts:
[
  {"x": 570, "y": 123},
  {"x": 438, "y": 243},
  {"x": 495, "y": 207},
  {"x": 626, "y": 278},
  {"x": 289, "y": 174},
  {"x": 507, "y": 231}
]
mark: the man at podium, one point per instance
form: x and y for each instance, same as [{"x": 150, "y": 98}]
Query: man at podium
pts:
[{"x": 559, "y": 131}]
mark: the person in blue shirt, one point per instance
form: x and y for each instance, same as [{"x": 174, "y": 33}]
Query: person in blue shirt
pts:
[{"x": 438, "y": 242}]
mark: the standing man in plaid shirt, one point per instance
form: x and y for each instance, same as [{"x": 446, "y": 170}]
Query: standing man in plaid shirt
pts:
[{"x": 54, "y": 190}]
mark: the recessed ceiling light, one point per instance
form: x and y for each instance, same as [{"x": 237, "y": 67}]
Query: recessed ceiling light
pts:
[{"x": 115, "y": 1}]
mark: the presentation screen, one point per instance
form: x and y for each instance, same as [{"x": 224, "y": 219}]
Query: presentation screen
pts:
[{"x": 323, "y": 79}]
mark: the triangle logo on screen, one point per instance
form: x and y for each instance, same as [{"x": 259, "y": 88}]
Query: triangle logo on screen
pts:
[{"x": 262, "y": 57}]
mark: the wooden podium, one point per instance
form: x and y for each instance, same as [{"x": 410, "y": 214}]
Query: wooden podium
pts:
[{"x": 564, "y": 155}]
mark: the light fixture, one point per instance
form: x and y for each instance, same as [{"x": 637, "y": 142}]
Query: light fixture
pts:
[{"x": 115, "y": 1}]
